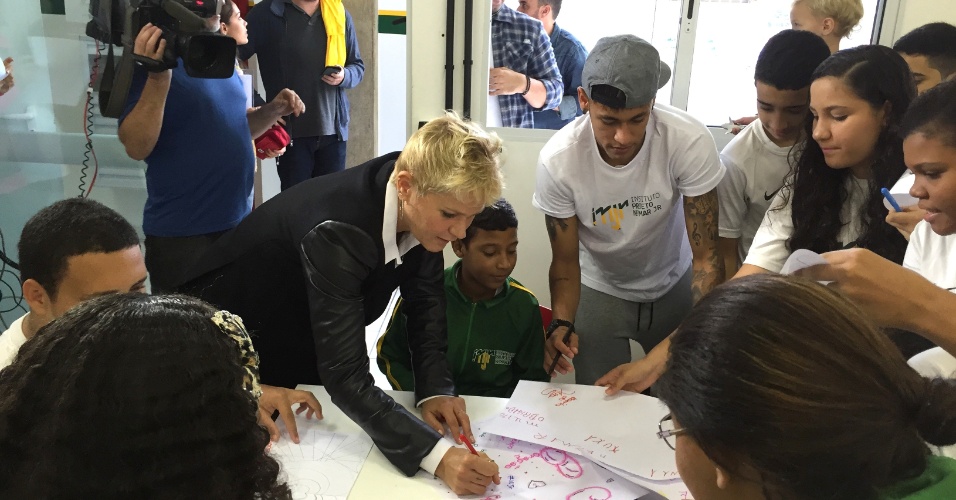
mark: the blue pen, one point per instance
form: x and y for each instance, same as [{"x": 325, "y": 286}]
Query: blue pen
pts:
[{"x": 889, "y": 198}]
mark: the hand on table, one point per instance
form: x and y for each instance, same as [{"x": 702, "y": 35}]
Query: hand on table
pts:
[
  {"x": 465, "y": 473},
  {"x": 449, "y": 410},
  {"x": 555, "y": 346},
  {"x": 282, "y": 399}
]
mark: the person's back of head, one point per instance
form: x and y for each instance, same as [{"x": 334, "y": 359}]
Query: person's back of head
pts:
[
  {"x": 788, "y": 389},
  {"x": 878, "y": 77},
  {"x": 930, "y": 52},
  {"x": 135, "y": 396},
  {"x": 845, "y": 15}
]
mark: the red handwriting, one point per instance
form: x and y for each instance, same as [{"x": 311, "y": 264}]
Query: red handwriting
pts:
[
  {"x": 590, "y": 493},
  {"x": 664, "y": 474},
  {"x": 563, "y": 397},
  {"x": 565, "y": 464},
  {"x": 613, "y": 448}
]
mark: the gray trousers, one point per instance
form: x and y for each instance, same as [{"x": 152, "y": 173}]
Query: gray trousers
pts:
[{"x": 605, "y": 323}]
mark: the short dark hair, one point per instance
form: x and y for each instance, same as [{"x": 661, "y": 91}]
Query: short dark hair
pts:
[
  {"x": 789, "y": 379},
  {"x": 936, "y": 41},
  {"x": 226, "y": 13},
  {"x": 933, "y": 114},
  {"x": 555, "y": 7},
  {"x": 497, "y": 217},
  {"x": 65, "y": 229},
  {"x": 788, "y": 59},
  {"x": 153, "y": 373}
]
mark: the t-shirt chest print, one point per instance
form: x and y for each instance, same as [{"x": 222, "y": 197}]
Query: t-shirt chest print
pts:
[{"x": 637, "y": 205}]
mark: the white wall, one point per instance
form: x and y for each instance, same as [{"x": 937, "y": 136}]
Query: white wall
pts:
[{"x": 915, "y": 13}]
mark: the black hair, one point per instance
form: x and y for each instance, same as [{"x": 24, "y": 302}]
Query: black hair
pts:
[
  {"x": 555, "y": 7},
  {"x": 65, "y": 229},
  {"x": 933, "y": 114},
  {"x": 132, "y": 396},
  {"x": 879, "y": 76},
  {"x": 497, "y": 217},
  {"x": 788, "y": 59},
  {"x": 935, "y": 41},
  {"x": 785, "y": 379}
]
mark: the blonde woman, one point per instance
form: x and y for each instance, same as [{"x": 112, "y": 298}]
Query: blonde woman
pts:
[
  {"x": 832, "y": 20},
  {"x": 310, "y": 268}
]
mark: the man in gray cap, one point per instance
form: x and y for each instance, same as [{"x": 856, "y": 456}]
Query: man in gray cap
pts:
[{"x": 629, "y": 195}]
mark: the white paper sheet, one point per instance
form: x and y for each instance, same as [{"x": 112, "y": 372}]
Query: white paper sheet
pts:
[
  {"x": 901, "y": 192},
  {"x": 620, "y": 431},
  {"x": 802, "y": 259},
  {"x": 325, "y": 464},
  {"x": 531, "y": 471}
]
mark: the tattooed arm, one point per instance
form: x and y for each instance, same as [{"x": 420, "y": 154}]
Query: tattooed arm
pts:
[
  {"x": 564, "y": 280},
  {"x": 700, "y": 215}
]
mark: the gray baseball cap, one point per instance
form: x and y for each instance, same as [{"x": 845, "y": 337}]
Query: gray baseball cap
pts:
[{"x": 628, "y": 64}]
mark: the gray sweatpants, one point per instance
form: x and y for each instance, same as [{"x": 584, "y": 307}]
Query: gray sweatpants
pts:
[{"x": 605, "y": 323}]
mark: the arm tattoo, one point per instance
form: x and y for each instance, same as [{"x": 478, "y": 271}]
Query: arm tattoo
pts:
[
  {"x": 702, "y": 216},
  {"x": 553, "y": 224}
]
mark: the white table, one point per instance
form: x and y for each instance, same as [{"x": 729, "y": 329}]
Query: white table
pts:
[{"x": 379, "y": 478}]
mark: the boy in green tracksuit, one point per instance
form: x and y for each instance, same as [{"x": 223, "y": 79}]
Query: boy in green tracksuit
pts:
[{"x": 495, "y": 332}]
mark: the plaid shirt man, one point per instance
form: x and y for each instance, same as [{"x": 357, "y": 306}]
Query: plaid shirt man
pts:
[{"x": 520, "y": 43}]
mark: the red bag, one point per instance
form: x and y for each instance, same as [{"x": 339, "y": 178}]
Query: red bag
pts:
[{"x": 273, "y": 139}]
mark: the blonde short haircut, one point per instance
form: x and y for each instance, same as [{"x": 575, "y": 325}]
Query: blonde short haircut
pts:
[
  {"x": 452, "y": 156},
  {"x": 846, "y": 13}
]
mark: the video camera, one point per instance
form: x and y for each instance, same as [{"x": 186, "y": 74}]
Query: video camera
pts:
[
  {"x": 205, "y": 54},
  {"x": 117, "y": 22}
]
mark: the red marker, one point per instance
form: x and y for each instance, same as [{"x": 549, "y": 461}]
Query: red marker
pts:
[{"x": 467, "y": 443}]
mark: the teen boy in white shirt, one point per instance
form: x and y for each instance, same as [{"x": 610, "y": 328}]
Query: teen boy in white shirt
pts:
[{"x": 757, "y": 159}]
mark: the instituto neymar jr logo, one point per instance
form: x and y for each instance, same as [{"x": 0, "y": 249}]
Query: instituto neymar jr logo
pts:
[
  {"x": 492, "y": 356},
  {"x": 613, "y": 214}
]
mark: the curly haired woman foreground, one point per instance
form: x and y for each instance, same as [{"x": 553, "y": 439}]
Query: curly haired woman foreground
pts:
[{"x": 135, "y": 396}]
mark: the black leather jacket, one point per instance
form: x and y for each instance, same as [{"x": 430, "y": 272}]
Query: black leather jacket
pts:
[{"x": 306, "y": 272}]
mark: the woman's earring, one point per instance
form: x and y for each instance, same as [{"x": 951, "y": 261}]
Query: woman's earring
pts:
[{"x": 401, "y": 208}]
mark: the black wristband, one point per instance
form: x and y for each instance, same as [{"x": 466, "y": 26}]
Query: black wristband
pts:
[
  {"x": 557, "y": 323},
  {"x": 527, "y": 87}
]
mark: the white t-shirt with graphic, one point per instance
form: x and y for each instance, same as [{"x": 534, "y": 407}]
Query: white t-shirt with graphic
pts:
[
  {"x": 769, "y": 248},
  {"x": 756, "y": 169},
  {"x": 10, "y": 342},
  {"x": 631, "y": 225}
]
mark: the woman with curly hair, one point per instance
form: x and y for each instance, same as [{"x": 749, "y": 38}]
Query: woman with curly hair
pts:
[
  {"x": 780, "y": 388},
  {"x": 135, "y": 396}
]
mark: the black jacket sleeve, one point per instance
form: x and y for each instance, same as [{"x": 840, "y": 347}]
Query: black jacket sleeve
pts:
[
  {"x": 337, "y": 258},
  {"x": 427, "y": 327}
]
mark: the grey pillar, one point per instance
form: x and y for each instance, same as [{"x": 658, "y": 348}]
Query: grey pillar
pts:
[{"x": 363, "y": 129}]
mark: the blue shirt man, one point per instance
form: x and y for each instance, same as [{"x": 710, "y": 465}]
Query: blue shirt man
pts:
[
  {"x": 526, "y": 76},
  {"x": 195, "y": 135},
  {"x": 291, "y": 40},
  {"x": 570, "y": 55}
]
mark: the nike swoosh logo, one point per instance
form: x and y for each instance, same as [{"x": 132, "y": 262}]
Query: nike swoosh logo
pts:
[{"x": 770, "y": 196}]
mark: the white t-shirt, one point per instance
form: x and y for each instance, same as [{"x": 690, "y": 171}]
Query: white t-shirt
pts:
[
  {"x": 631, "y": 223},
  {"x": 769, "y": 248},
  {"x": 756, "y": 168},
  {"x": 932, "y": 256},
  {"x": 10, "y": 342}
]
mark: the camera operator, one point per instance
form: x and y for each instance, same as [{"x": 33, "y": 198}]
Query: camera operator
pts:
[{"x": 195, "y": 135}]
